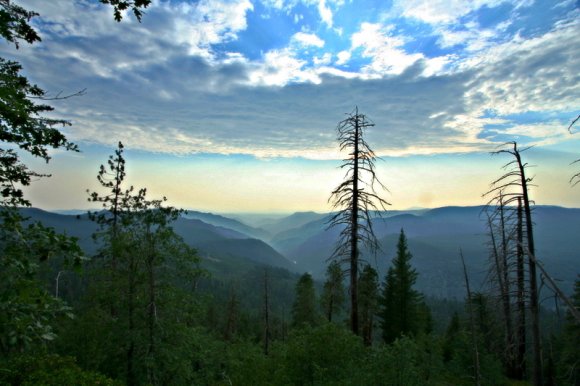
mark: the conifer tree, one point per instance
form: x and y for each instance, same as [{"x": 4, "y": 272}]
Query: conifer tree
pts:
[
  {"x": 332, "y": 298},
  {"x": 368, "y": 302},
  {"x": 304, "y": 307},
  {"x": 399, "y": 302}
]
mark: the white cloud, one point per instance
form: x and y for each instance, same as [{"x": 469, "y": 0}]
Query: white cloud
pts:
[
  {"x": 280, "y": 67},
  {"x": 307, "y": 39},
  {"x": 441, "y": 11},
  {"x": 325, "y": 13},
  {"x": 322, "y": 60},
  {"x": 343, "y": 57},
  {"x": 208, "y": 22},
  {"x": 385, "y": 51}
]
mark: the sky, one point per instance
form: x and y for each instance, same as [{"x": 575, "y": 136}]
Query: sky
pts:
[{"x": 232, "y": 106}]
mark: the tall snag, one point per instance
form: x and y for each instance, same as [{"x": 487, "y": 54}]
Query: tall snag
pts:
[
  {"x": 354, "y": 203},
  {"x": 514, "y": 184},
  {"x": 500, "y": 240}
]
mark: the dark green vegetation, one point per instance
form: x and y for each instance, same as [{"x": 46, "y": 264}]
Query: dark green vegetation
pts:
[{"x": 120, "y": 296}]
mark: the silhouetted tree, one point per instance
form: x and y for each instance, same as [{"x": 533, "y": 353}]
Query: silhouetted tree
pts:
[
  {"x": 500, "y": 274},
  {"x": 575, "y": 179},
  {"x": 332, "y": 298},
  {"x": 355, "y": 204},
  {"x": 399, "y": 301},
  {"x": 513, "y": 184}
]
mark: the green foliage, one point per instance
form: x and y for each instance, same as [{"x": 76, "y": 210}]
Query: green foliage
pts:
[
  {"x": 368, "y": 301},
  {"x": 568, "y": 360},
  {"x": 119, "y": 6},
  {"x": 458, "y": 351},
  {"x": 332, "y": 298},
  {"x": 400, "y": 303},
  {"x": 304, "y": 310},
  {"x": 22, "y": 125},
  {"x": 49, "y": 370},
  {"x": 14, "y": 23},
  {"x": 324, "y": 355},
  {"x": 27, "y": 310}
]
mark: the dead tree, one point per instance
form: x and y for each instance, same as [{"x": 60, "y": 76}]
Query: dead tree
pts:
[
  {"x": 514, "y": 184},
  {"x": 356, "y": 200},
  {"x": 521, "y": 296},
  {"x": 576, "y": 177},
  {"x": 500, "y": 273}
]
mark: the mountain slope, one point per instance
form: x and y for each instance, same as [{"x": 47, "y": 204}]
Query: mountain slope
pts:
[
  {"x": 435, "y": 238},
  {"x": 221, "y": 244},
  {"x": 226, "y": 222}
]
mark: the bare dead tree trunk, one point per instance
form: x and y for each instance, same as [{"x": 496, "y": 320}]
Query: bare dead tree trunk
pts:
[
  {"x": 354, "y": 236},
  {"x": 477, "y": 373},
  {"x": 521, "y": 302},
  {"x": 515, "y": 180},
  {"x": 355, "y": 204},
  {"x": 534, "y": 302},
  {"x": 509, "y": 335}
]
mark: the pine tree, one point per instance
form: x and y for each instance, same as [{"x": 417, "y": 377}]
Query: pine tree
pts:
[
  {"x": 332, "y": 298},
  {"x": 400, "y": 302},
  {"x": 368, "y": 301},
  {"x": 304, "y": 307}
]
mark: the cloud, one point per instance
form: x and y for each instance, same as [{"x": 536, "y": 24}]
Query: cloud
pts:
[
  {"x": 385, "y": 50},
  {"x": 441, "y": 11},
  {"x": 343, "y": 57},
  {"x": 325, "y": 13},
  {"x": 165, "y": 86},
  {"x": 307, "y": 39}
]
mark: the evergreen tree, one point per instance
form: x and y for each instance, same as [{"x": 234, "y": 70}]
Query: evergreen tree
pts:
[
  {"x": 304, "y": 307},
  {"x": 368, "y": 301},
  {"x": 400, "y": 302},
  {"x": 568, "y": 362},
  {"x": 332, "y": 298}
]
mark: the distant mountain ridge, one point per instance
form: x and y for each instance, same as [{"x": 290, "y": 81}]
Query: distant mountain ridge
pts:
[
  {"x": 219, "y": 243},
  {"x": 226, "y": 222},
  {"x": 303, "y": 243},
  {"x": 435, "y": 237}
]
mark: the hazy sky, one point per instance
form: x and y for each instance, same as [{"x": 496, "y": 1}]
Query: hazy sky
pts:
[{"x": 232, "y": 105}]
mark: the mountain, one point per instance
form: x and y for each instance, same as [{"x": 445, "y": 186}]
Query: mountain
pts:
[
  {"x": 218, "y": 245},
  {"x": 435, "y": 237},
  {"x": 226, "y": 222},
  {"x": 295, "y": 220}
]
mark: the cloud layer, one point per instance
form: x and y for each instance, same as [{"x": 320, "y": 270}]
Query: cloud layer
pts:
[{"x": 273, "y": 78}]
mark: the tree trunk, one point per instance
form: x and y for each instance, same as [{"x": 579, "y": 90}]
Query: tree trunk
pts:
[
  {"x": 534, "y": 303},
  {"x": 131, "y": 315},
  {"x": 354, "y": 236},
  {"x": 509, "y": 336},
  {"x": 521, "y": 302},
  {"x": 477, "y": 373}
]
